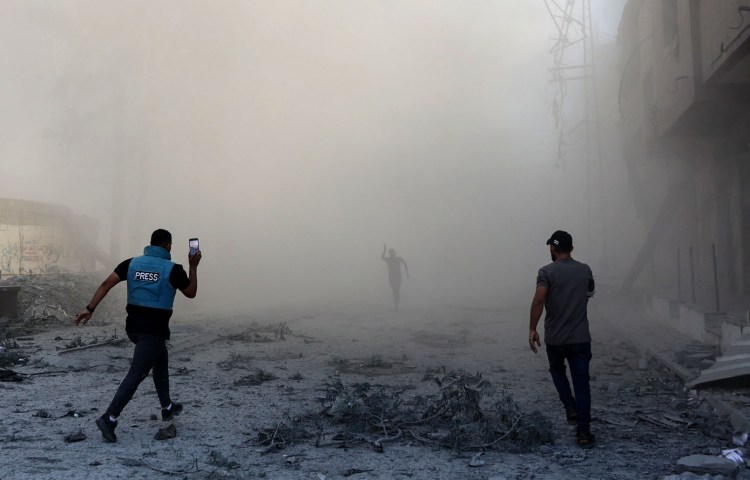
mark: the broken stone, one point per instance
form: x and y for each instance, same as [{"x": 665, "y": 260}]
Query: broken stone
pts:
[
  {"x": 694, "y": 360},
  {"x": 42, "y": 414},
  {"x": 68, "y": 363},
  {"x": 75, "y": 437},
  {"x": 166, "y": 433},
  {"x": 476, "y": 461},
  {"x": 706, "y": 464},
  {"x": 218, "y": 460},
  {"x": 739, "y": 439}
]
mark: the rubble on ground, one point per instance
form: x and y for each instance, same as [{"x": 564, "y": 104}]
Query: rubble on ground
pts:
[
  {"x": 52, "y": 300},
  {"x": 460, "y": 416}
]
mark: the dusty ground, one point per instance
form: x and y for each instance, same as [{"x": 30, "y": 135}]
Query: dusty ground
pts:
[{"x": 643, "y": 420}]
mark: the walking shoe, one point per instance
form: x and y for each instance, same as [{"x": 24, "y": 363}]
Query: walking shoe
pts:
[
  {"x": 107, "y": 428},
  {"x": 169, "y": 413},
  {"x": 572, "y": 416},
  {"x": 585, "y": 439}
]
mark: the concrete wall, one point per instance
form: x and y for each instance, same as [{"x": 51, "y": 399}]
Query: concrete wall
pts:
[
  {"x": 658, "y": 85},
  {"x": 681, "y": 112},
  {"x": 37, "y": 238},
  {"x": 671, "y": 49}
]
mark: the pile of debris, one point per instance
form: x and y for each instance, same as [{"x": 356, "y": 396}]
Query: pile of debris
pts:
[
  {"x": 57, "y": 298},
  {"x": 460, "y": 416}
]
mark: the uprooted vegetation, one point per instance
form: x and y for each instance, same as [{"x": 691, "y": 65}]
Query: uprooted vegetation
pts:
[
  {"x": 258, "y": 377},
  {"x": 467, "y": 413},
  {"x": 253, "y": 333}
]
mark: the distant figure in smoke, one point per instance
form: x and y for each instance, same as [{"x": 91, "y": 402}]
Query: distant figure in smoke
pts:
[
  {"x": 563, "y": 289},
  {"x": 153, "y": 280},
  {"x": 394, "y": 273}
]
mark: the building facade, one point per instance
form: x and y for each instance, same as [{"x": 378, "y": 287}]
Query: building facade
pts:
[{"x": 683, "y": 99}]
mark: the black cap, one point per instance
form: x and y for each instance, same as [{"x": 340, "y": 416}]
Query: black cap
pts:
[{"x": 561, "y": 239}]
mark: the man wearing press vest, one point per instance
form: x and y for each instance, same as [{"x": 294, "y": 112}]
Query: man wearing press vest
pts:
[
  {"x": 152, "y": 280},
  {"x": 563, "y": 289}
]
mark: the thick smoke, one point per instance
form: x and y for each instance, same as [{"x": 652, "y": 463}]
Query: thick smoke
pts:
[{"x": 294, "y": 138}]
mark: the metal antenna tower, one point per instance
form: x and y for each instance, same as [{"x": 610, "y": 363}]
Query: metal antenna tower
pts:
[{"x": 573, "y": 61}]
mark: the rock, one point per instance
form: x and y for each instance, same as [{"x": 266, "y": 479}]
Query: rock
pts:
[
  {"x": 67, "y": 362},
  {"x": 166, "y": 433},
  {"x": 706, "y": 464},
  {"x": 75, "y": 437}
]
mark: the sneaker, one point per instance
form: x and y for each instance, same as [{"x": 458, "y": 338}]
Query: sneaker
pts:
[
  {"x": 169, "y": 413},
  {"x": 107, "y": 428}
]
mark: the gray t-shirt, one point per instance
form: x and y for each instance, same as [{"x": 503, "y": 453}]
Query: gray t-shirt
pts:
[{"x": 568, "y": 284}]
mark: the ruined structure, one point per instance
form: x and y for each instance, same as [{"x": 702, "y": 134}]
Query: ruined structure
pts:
[
  {"x": 38, "y": 238},
  {"x": 684, "y": 94}
]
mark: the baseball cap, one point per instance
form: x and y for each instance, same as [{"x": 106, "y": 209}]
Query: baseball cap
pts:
[{"x": 561, "y": 239}]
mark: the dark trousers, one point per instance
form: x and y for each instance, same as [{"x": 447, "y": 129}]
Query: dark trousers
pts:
[
  {"x": 150, "y": 353},
  {"x": 578, "y": 356}
]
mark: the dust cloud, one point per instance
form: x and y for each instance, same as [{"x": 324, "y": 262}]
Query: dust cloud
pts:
[{"x": 295, "y": 138}]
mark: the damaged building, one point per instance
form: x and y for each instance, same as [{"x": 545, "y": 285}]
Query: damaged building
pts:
[
  {"x": 684, "y": 93},
  {"x": 42, "y": 238}
]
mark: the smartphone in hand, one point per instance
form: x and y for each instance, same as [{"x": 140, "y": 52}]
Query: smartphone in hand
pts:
[{"x": 194, "y": 246}]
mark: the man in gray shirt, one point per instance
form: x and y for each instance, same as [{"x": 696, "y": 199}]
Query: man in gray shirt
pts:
[{"x": 562, "y": 289}]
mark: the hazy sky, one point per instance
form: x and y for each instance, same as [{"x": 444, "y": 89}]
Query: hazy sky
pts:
[{"x": 295, "y": 137}]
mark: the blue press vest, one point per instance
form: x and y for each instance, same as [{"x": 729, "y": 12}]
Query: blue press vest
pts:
[{"x": 148, "y": 279}]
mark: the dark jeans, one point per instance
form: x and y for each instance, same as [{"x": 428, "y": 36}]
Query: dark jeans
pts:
[
  {"x": 578, "y": 356},
  {"x": 150, "y": 353}
]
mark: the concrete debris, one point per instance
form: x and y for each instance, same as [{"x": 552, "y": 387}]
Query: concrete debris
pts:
[
  {"x": 56, "y": 298},
  {"x": 739, "y": 439},
  {"x": 476, "y": 461},
  {"x": 216, "y": 459},
  {"x": 78, "y": 436},
  {"x": 166, "y": 433},
  {"x": 735, "y": 455},
  {"x": 354, "y": 471},
  {"x": 734, "y": 364},
  {"x": 67, "y": 363},
  {"x": 709, "y": 464}
]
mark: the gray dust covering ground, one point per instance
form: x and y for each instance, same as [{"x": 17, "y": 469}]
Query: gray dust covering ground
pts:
[{"x": 439, "y": 392}]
